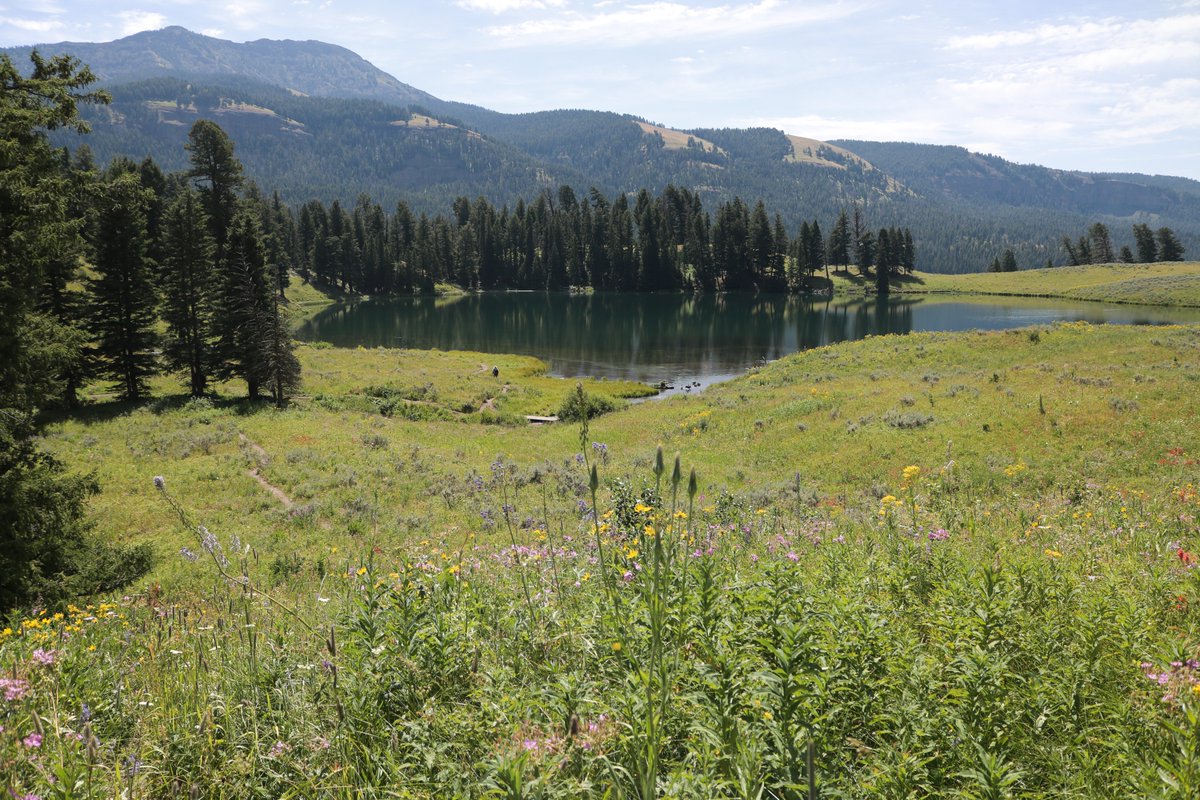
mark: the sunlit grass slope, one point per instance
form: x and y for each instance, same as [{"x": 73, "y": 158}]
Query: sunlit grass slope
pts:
[
  {"x": 937, "y": 565},
  {"x": 1172, "y": 283}
]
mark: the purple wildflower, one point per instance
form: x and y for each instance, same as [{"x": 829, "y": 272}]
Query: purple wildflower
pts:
[
  {"x": 14, "y": 689},
  {"x": 32, "y": 740},
  {"x": 44, "y": 657}
]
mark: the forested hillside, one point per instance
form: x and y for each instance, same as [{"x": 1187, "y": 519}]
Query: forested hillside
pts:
[
  {"x": 317, "y": 122},
  {"x": 308, "y": 147}
]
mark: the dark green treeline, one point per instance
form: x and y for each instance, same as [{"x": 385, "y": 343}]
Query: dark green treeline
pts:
[{"x": 559, "y": 240}]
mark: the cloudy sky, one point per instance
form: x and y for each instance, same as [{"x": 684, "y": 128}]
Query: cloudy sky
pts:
[{"x": 1098, "y": 85}]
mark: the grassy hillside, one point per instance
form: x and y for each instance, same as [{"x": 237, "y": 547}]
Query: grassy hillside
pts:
[
  {"x": 1172, "y": 283},
  {"x": 948, "y": 564}
]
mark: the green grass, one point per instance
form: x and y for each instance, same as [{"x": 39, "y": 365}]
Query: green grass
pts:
[
  {"x": 1173, "y": 283},
  {"x": 941, "y": 560}
]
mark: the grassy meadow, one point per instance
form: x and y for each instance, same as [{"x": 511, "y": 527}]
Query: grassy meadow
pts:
[
  {"x": 1167, "y": 283},
  {"x": 951, "y": 565}
]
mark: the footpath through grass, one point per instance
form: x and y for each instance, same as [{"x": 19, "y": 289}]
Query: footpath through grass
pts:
[{"x": 957, "y": 565}]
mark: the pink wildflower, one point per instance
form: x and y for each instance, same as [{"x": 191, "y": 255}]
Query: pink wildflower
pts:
[{"x": 14, "y": 689}]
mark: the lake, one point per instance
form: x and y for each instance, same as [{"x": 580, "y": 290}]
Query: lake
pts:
[{"x": 682, "y": 339}]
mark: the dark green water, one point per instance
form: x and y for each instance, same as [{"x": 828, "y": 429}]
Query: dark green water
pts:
[{"x": 676, "y": 338}]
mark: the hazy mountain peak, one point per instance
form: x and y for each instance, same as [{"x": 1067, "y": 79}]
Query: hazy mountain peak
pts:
[{"x": 312, "y": 67}]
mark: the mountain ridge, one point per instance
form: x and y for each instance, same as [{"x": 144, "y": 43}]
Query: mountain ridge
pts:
[{"x": 964, "y": 208}]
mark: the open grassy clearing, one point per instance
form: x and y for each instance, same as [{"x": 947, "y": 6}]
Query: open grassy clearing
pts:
[
  {"x": 1170, "y": 283},
  {"x": 953, "y": 565},
  {"x": 678, "y": 140}
]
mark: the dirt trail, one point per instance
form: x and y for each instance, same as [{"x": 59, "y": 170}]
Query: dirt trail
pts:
[{"x": 254, "y": 473}]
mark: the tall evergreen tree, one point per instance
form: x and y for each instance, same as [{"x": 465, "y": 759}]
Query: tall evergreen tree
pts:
[
  {"x": 1169, "y": 248},
  {"x": 815, "y": 254},
  {"x": 761, "y": 245},
  {"x": 244, "y": 305},
  {"x": 864, "y": 252},
  {"x": 1008, "y": 262},
  {"x": 45, "y": 552},
  {"x": 218, "y": 176},
  {"x": 1147, "y": 246},
  {"x": 280, "y": 369},
  {"x": 839, "y": 241},
  {"x": 189, "y": 291},
  {"x": 123, "y": 299},
  {"x": 1100, "y": 243}
]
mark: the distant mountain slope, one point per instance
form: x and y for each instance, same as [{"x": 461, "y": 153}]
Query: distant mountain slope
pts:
[
  {"x": 960, "y": 175},
  {"x": 315, "y": 147},
  {"x": 310, "y": 67},
  {"x": 315, "y": 120}
]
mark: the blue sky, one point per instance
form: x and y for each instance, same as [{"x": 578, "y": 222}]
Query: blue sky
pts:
[{"x": 1103, "y": 86}]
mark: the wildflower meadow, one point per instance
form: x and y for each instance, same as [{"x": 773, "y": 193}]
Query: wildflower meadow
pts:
[{"x": 602, "y": 622}]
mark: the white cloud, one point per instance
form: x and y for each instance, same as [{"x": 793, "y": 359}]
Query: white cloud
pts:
[
  {"x": 1078, "y": 86},
  {"x": 136, "y": 21},
  {"x": 501, "y": 6},
  {"x": 639, "y": 23},
  {"x": 32, "y": 25},
  {"x": 1105, "y": 43}
]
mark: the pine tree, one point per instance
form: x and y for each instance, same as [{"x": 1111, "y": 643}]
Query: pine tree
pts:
[
  {"x": 277, "y": 357},
  {"x": 909, "y": 257},
  {"x": 123, "y": 297},
  {"x": 864, "y": 252},
  {"x": 816, "y": 249},
  {"x": 1169, "y": 248},
  {"x": 1008, "y": 263},
  {"x": 1100, "y": 243},
  {"x": 244, "y": 305},
  {"x": 1073, "y": 256},
  {"x": 839, "y": 241},
  {"x": 189, "y": 291},
  {"x": 218, "y": 176},
  {"x": 1147, "y": 247},
  {"x": 883, "y": 278},
  {"x": 45, "y": 552},
  {"x": 761, "y": 245}
]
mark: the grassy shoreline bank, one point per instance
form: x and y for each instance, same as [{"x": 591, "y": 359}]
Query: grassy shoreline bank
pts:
[{"x": 1175, "y": 283}]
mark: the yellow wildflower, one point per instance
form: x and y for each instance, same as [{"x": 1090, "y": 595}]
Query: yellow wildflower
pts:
[
  {"x": 616, "y": 647},
  {"x": 1012, "y": 470},
  {"x": 911, "y": 472}
]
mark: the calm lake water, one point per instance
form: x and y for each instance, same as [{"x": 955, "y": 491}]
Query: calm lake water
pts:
[{"x": 680, "y": 339}]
